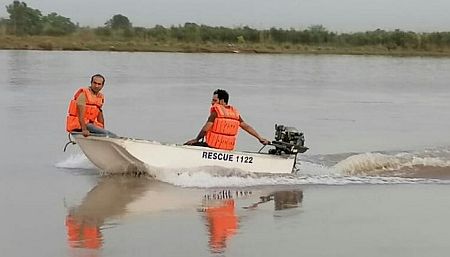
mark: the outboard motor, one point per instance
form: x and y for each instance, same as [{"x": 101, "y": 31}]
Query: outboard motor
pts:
[{"x": 288, "y": 140}]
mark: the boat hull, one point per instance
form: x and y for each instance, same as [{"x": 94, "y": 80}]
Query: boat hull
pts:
[{"x": 125, "y": 155}]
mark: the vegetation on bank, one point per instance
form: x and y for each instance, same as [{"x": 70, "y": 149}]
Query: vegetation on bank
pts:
[{"x": 27, "y": 28}]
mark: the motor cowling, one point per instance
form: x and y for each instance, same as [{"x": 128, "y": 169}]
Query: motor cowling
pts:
[{"x": 288, "y": 140}]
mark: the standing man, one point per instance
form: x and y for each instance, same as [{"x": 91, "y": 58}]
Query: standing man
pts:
[
  {"x": 85, "y": 109},
  {"x": 223, "y": 125}
]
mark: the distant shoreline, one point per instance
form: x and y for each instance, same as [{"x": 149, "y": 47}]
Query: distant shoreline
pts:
[
  {"x": 27, "y": 29},
  {"x": 73, "y": 43}
]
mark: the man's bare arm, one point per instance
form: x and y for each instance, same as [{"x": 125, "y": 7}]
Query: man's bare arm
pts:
[
  {"x": 253, "y": 132},
  {"x": 208, "y": 125}
]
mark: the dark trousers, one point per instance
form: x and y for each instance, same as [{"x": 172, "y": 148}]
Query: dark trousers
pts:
[{"x": 97, "y": 130}]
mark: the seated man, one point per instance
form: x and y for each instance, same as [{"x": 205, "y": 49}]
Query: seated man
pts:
[
  {"x": 85, "y": 110},
  {"x": 223, "y": 124}
]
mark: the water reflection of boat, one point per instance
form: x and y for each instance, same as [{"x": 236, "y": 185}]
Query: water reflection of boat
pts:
[
  {"x": 219, "y": 210},
  {"x": 118, "y": 197},
  {"x": 222, "y": 223},
  {"x": 106, "y": 200},
  {"x": 221, "y": 218},
  {"x": 122, "y": 197},
  {"x": 282, "y": 199}
]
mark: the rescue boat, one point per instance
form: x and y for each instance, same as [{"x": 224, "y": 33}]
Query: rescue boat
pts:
[{"x": 130, "y": 155}]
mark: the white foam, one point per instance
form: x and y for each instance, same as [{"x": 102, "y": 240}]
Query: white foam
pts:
[
  {"x": 430, "y": 161},
  {"x": 311, "y": 168},
  {"x": 210, "y": 177},
  {"x": 75, "y": 161}
]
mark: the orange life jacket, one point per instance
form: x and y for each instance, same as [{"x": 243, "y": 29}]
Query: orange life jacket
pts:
[
  {"x": 93, "y": 107},
  {"x": 225, "y": 128},
  {"x": 83, "y": 235}
]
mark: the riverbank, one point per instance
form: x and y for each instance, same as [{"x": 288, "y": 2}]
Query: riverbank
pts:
[{"x": 90, "y": 43}]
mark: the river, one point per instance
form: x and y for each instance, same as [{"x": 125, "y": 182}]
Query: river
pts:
[{"x": 374, "y": 182}]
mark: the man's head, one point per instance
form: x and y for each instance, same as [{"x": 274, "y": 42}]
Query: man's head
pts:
[
  {"x": 97, "y": 82},
  {"x": 221, "y": 97}
]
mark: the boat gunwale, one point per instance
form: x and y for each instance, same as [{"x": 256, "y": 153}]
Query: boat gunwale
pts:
[{"x": 192, "y": 147}]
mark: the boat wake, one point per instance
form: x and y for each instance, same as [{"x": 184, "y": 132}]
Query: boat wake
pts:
[
  {"x": 429, "y": 163},
  {"x": 407, "y": 167},
  {"x": 219, "y": 177}
]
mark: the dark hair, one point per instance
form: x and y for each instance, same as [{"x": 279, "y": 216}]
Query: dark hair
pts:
[
  {"x": 222, "y": 94},
  {"x": 98, "y": 75}
]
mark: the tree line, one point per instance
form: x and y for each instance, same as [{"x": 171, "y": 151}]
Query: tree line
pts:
[{"x": 24, "y": 20}]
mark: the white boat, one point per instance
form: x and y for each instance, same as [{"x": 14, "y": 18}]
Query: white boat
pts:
[{"x": 128, "y": 155}]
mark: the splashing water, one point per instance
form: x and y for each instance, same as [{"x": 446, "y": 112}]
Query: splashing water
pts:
[{"x": 76, "y": 161}]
